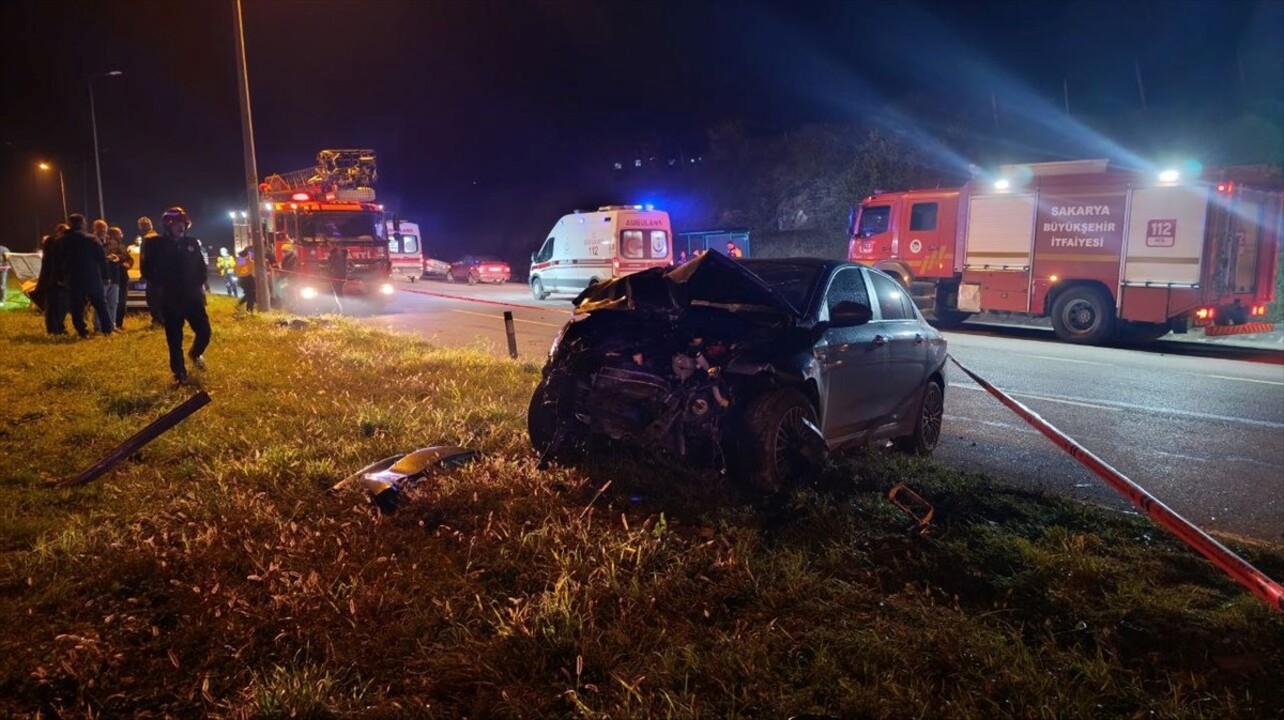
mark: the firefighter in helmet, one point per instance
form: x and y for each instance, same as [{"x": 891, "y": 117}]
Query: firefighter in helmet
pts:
[{"x": 174, "y": 266}]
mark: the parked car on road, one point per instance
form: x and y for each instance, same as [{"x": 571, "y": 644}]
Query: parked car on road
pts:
[
  {"x": 763, "y": 366},
  {"x": 474, "y": 269},
  {"x": 434, "y": 268}
]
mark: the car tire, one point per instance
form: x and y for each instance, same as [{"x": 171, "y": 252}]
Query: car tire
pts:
[
  {"x": 927, "y": 423},
  {"x": 473, "y": 278},
  {"x": 1084, "y": 315},
  {"x": 450, "y": 276},
  {"x": 537, "y": 289},
  {"x": 549, "y": 423},
  {"x": 780, "y": 442}
]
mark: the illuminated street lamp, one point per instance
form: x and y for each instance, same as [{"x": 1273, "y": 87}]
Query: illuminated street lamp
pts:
[
  {"x": 93, "y": 119},
  {"x": 62, "y": 186}
]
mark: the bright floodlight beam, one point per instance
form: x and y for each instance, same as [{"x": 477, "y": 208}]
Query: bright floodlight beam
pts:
[
  {"x": 1169, "y": 175},
  {"x": 1002, "y": 184}
]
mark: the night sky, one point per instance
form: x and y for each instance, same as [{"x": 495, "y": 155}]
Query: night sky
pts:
[{"x": 468, "y": 103}]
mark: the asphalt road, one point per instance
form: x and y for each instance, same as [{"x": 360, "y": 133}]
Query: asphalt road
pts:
[{"x": 1203, "y": 434}]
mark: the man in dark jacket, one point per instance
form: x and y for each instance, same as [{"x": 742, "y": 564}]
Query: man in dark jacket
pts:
[
  {"x": 84, "y": 264},
  {"x": 50, "y": 292},
  {"x": 175, "y": 271},
  {"x": 146, "y": 234},
  {"x": 121, "y": 261}
]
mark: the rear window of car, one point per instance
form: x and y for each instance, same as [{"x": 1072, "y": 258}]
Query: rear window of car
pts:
[{"x": 642, "y": 244}]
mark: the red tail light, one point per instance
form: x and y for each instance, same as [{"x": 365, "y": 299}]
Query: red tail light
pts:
[
  {"x": 1206, "y": 313},
  {"x": 1258, "y": 311},
  {"x": 615, "y": 267}
]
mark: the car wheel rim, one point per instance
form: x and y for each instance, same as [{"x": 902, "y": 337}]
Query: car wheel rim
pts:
[
  {"x": 1080, "y": 316},
  {"x": 789, "y": 434},
  {"x": 933, "y": 412}
]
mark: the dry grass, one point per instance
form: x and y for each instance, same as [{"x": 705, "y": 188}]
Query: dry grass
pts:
[{"x": 213, "y": 576}]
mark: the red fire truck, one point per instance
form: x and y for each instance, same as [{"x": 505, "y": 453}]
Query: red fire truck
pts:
[
  {"x": 310, "y": 213},
  {"x": 1106, "y": 254}
]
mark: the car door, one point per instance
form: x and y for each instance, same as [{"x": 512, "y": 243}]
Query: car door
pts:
[
  {"x": 852, "y": 361},
  {"x": 906, "y": 345}
]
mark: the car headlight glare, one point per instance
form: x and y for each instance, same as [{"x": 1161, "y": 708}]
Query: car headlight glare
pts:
[
  {"x": 308, "y": 293},
  {"x": 386, "y": 288}
]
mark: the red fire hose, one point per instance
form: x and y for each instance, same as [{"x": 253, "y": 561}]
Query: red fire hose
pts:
[{"x": 1233, "y": 565}]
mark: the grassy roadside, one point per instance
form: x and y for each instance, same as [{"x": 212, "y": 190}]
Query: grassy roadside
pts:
[{"x": 213, "y": 576}]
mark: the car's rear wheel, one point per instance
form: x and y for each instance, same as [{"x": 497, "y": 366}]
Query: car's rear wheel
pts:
[
  {"x": 450, "y": 276},
  {"x": 781, "y": 443},
  {"x": 537, "y": 289},
  {"x": 927, "y": 426},
  {"x": 473, "y": 278}
]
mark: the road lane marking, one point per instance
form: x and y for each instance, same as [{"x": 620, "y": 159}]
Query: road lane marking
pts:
[
  {"x": 1058, "y": 359},
  {"x": 500, "y": 317},
  {"x": 1110, "y": 405},
  {"x": 1228, "y": 377}
]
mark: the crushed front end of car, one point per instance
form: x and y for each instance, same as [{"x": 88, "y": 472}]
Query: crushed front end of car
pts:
[{"x": 683, "y": 360}]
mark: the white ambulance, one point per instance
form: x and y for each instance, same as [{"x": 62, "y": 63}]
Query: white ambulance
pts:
[{"x": 584, "y": 248}]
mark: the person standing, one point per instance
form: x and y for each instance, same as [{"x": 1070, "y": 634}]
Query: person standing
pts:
[
  {"x": 227, "y": 270},
  {"x": 245, "y": 277},
  {"x": 111, "y": 280},
  {"x": 84, "y": 265},
  {"x": 121, "y": 261},
  {"x": 734, "y": 250},
  {"x": 338, "y": 262},
  {"x": 4, "y": 275},
  {"x": 146, "y": 234},
  {"x": 50, "y": 288},
  {"x": 174, "y": 267}
]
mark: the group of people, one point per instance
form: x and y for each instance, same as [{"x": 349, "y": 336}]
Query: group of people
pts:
[
  {"x": 733, "y": 251},
  {"x": 80, "y": 269}
]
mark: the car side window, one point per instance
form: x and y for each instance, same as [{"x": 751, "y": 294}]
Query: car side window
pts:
[
  {"x": 893, "y": 302},
  {"x": 846, "y": 286},
  {"x": 545, "y": 252}
]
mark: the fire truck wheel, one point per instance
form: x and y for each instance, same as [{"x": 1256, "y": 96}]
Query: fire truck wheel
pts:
[
  {"x": 473, "y": 278},
  {"x": 537, "y": 289},
  {"x": 1085, "y": 315},
  {"x": 945, "y": 309}
]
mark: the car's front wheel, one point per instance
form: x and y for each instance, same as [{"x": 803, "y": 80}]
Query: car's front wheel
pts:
[
  {"x": 927, "y": 427},
  {"x": 781, "y": 443},
  {"x": 473, "y": 278},
  {"x": 537, "y": 289},
  {"x": 450, "y": 276}
]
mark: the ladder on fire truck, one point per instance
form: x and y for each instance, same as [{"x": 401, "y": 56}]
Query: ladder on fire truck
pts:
[{"x": 348, "y": 174}]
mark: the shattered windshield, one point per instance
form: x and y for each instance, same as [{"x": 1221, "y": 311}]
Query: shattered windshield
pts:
[{"x": 792, "y": 281}]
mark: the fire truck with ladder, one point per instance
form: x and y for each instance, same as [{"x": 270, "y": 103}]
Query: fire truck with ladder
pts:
[
  {"x": 1108, "y": 255},
  {"x": 310, "y": 213}
]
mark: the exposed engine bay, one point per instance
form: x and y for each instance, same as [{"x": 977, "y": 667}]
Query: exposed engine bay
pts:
[{"x": 668, "y": 359}]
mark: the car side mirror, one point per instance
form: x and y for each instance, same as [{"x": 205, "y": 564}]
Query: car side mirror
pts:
[{"x": 849, "y": 313}]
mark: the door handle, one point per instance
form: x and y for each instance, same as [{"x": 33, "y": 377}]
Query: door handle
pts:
[
  {"x": 879, "y": 341},
  {"x": 918, "y": 338}
]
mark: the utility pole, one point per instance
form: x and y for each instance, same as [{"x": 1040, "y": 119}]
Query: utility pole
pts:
[{"x": 251, "y": 168}]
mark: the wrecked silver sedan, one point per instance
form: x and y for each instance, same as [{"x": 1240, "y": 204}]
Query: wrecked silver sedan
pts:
[{"x": 760, "y": 367}]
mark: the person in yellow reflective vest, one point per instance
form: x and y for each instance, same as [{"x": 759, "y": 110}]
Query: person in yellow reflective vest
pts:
[
  {"x": 226, "y": 266},
  {"x": 245, "y": 276}
]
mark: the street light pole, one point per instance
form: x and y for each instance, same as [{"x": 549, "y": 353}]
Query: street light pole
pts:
[
  {"x": 62, "y": 187},
  {"x": 93, "y": 119},
  {"x": 255, "y": 228}
]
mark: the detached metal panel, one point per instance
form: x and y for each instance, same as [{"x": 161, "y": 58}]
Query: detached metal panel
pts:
[
  {"x": 1165, "y": 241},
  {"x": 1000, "y": 231}
]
